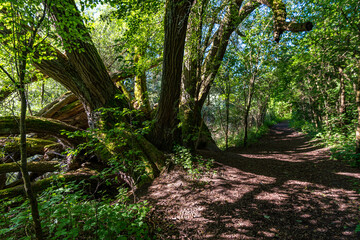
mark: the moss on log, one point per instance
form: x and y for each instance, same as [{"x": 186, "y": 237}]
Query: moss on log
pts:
[
  {"x": 10, "y": 125},
  {"x": 38, "y": 186},
  {"x": 33, "y": 145},
  {"x": 38, "y": 167}
]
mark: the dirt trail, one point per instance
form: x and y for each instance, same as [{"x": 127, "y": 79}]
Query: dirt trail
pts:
[{"x": 283, "y": 187}]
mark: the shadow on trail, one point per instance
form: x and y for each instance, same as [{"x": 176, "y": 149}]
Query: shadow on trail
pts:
[{"x": 283, "y": 187}]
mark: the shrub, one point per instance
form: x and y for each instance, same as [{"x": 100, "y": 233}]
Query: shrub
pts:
[{"x": 67, "y": 213}]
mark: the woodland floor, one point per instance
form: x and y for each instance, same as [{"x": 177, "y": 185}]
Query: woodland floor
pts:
[{"x": 283, "y": 187}]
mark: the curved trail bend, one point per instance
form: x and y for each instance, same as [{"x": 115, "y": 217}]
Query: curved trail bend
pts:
[{"x": 283, "y": 187}]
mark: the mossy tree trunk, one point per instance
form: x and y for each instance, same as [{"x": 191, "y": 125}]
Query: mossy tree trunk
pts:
[{"x": 140, "y": 86}]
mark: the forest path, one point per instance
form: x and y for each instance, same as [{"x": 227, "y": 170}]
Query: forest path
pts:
[{"x": 283, "y": 187}]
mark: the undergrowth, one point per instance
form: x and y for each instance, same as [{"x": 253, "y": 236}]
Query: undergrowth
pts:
[
  {"x": 254, "y": 133},
  {"x": 340, "y": 140},
  {"x": 67, "y": 212},
  {"x": 196, "y": 166}
]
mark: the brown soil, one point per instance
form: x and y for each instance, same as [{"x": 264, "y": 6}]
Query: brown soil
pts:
[{"x": 283, "y": 187}]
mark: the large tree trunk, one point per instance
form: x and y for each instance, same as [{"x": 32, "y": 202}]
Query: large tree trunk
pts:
[
  {"x": 93, "y": 85},
  {"x": 166, "y": 131}
]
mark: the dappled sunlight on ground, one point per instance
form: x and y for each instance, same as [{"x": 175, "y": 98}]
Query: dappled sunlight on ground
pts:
[
  {"x": 282, "y": 188},
  {"x": 350, "y": 174}
]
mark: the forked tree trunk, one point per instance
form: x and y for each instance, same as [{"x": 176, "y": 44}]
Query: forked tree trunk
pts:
[{"x": 234, "y": 15}]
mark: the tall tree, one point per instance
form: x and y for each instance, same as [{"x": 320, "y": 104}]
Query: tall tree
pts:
[{"x": 175, "y": 25}]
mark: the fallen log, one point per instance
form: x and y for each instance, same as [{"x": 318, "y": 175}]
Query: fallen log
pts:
[
  {"x": 38, "y": 167},
  {"x": 68, "y": 109},
  {"x": 10, "y": 125},
  {"x": 11, "y": 145},
  {"x": 41, "y": 185}
]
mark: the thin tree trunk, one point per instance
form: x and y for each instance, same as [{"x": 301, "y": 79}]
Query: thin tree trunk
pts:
[
  {"x": 342, "y": 109},
  {"x": 25, "y": 173},
  {"x": 247, "y": 110},
  {"x": 227, "y": 105},
  {"x": 357, "y": 138}
]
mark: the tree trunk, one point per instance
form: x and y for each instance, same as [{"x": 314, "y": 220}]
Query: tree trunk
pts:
[
  {"x": 166, "y": 131},
  {"x": 227, "y": 104},
  {"x": 342, "y": 103},
  {"x": 68, "y": 109},
  {"x": 357, "y": 140},
  {"x": 197, "y": 79},
  {"x": 247, "y": 109},
  {"x": 11, "y": 146},
  {"x": 23, "y": 154},
  {"x": 140, "y": 87}
]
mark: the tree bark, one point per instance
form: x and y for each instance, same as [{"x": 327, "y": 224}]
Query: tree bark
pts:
[
  {"x": 140, "y": 87},
  {"x": 247, "y": 109},
  {"x": 176, "y": 19}
]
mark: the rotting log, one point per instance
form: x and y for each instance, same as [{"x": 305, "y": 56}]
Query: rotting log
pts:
[
  {"x": 49, "y": 110},
  {"x": 9, "y": 125},
  {"x": 68, "y": 109},
  {"x": 38, "y": 167},
  {"x": 11, "y": 145},
  {"x": 53, "y": 151},
  {"x": 38, "y": 186}
]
